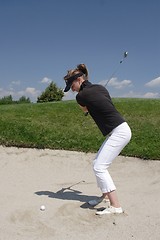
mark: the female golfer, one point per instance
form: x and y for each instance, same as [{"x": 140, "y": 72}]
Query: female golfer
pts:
[{"x": 95, "y": 100}]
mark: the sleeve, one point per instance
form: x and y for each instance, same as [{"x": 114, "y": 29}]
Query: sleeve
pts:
[{"x": 80, "y": 100}]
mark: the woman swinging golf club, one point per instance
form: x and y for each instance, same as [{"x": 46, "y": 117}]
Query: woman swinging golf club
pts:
[{"x": 95, "y": 100}]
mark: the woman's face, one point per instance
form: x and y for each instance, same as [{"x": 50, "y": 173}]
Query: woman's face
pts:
[{"x": 76, "y": 85}]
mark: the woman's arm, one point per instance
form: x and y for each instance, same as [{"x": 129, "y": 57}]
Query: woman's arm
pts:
[{"x": 84, "y": 109}]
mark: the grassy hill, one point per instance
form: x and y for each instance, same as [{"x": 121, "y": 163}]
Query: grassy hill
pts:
[{"x": 62, "y": 125}]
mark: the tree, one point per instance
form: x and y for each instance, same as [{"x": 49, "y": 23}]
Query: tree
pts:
[
  {"x": 9, "y": 100},
  {"x": 51, "y": 94},
  {"x": 23, "y": 99},
  {"x": 6, "y": 100}
]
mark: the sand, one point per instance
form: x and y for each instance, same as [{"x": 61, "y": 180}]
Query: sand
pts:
[{"x": 30, "y": 178}]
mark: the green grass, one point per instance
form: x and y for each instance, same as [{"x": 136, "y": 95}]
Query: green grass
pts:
[{"x": 62, "y": 125}]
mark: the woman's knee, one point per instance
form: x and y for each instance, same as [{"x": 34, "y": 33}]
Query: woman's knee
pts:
[{"x": 98, "y": 167}]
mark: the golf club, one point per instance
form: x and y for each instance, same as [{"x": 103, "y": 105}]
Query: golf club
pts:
[
  {"x": 116, "y": 69},
  {"x": 70, "y": 187}
]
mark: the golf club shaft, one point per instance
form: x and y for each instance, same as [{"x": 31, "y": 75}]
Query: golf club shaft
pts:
[
  {"x": 120, "y": 62},
  {"x": 75, "y": 184}
]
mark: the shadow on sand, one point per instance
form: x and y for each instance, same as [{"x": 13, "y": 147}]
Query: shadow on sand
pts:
[{"x": 68, "y": 194}]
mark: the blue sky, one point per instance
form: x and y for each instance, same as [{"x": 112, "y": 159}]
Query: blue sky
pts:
[{"x": 41, "y": 39}]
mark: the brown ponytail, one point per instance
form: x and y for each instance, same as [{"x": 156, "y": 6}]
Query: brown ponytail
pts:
[{"x": 82, "y": 68}]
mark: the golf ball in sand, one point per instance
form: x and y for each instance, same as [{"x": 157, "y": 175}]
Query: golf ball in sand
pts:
[{"x": 42, "y": 208}]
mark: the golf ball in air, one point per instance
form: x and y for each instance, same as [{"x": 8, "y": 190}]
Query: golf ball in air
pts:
[{"x": 42, "y": 208}]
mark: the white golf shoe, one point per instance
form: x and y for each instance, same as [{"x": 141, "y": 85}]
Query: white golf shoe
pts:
[{"x": 110, "y": 210}]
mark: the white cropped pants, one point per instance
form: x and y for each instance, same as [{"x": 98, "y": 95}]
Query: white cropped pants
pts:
[{"x": 110, "y": 149}]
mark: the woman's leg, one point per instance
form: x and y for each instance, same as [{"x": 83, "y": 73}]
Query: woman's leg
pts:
[
  {"x": 109, "y": 150},
  {"x": 112, "y": 196}
]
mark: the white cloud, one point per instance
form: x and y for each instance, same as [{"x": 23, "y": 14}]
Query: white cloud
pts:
[
  {"x": 69, "y": 95},
  {"x": 16, "y": 82},
  {"x": 154, "y": 83},
  {"x": 132, "y": 94},
  {"x": 4, "y": 92},
  {"x": 32, "y": 93},
  {"x": 29, "y": 92},
  {"x": 151, "y": 95},
  {"x": 46, "y": 80},
  {"x": 117, "y": 84}
]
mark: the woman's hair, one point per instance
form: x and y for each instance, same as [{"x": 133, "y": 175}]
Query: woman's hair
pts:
[{"x": 81, "y": 68}]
